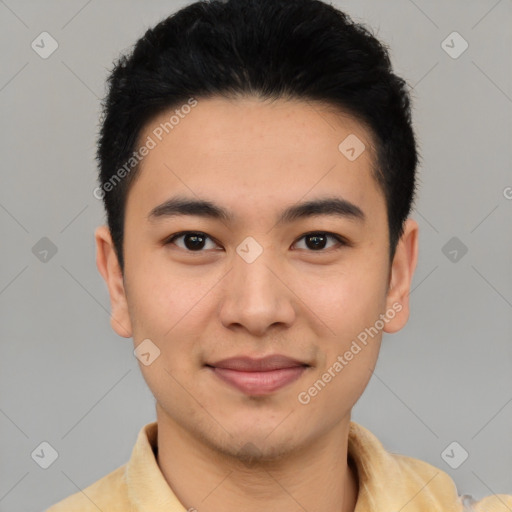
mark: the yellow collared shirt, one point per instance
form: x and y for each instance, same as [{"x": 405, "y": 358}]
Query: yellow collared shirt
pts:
[{"x": 388, "y": 482}]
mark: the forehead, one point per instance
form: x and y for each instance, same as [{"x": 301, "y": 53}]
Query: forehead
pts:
[{"x": 248, "y": 152}]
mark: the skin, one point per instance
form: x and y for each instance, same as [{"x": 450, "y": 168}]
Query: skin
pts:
[{"x": 256, "y": 158}]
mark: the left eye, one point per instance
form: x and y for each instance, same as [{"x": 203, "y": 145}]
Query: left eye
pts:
[
  {"x": 195, "y": 241},
  {"x": 319, "y": 238}
]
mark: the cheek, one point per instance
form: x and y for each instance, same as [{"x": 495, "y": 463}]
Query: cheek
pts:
[
  {"x": 169, "y": 310},
  {"x": 345, "y": 300},
  {"x": 159, "y": 296}
]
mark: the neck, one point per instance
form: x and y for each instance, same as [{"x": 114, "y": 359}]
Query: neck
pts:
[{"x": 316, "y": 477}]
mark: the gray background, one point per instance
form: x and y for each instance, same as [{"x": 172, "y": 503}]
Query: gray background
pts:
[{"x": 68, "y": 379}]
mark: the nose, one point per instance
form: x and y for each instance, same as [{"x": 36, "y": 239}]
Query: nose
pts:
[{"x": 256, "y": 296}]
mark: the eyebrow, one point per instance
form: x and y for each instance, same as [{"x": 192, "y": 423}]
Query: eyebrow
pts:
[{"x": 332, "y": 206}]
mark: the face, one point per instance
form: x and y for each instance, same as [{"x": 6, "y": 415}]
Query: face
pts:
[{"x": 315, "y": 286}]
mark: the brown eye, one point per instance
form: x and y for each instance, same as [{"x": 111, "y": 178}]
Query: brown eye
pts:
[
  {"x": 318, "y": 240},
  {"x": 192, "y": 241}
]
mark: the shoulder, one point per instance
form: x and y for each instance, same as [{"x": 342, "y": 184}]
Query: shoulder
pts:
[
  {"x": 107, "y": 493},
  {"x": 436, "y": 485},
  {"x": 389, "y": 479},
  {"x": 443, "y": 491},
  {"x": 494, "y": 503}
]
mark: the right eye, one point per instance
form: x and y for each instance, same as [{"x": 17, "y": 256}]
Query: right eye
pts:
[{"x": 193, "y": 241}]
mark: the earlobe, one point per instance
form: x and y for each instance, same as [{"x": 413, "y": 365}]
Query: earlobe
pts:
[
  {"x": 108, "y": 266},
  {"x": 402, "y": 272}
]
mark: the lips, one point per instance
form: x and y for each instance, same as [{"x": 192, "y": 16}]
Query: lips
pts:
[
  {"x": 265, "y": 364},
  {"x": 258, "y": 377}
]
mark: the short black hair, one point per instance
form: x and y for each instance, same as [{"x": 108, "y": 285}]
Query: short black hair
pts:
[{"x": 299, "y": 49}]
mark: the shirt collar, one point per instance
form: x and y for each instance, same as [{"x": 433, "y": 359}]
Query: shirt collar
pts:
[
  {"x": 390, "y": 481},
  {"x": 147, "y": 487}
]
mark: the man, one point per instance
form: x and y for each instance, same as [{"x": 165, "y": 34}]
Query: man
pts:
[{"x": 257, "y": 165}]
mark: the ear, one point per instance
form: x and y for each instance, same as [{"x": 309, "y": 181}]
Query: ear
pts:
[
  {"x": 108, "y": 265},
  {"x": 402, "y": 271}
]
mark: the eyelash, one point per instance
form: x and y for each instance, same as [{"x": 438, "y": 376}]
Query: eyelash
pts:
[{"x": 341, "y": 241}]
